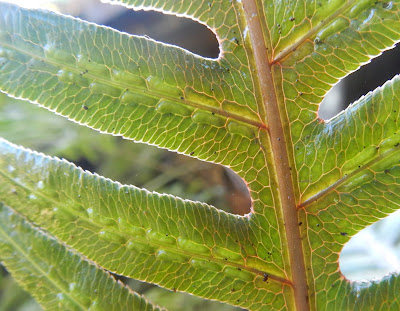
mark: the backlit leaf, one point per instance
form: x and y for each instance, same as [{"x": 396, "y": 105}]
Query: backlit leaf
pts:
[{"x": 313, "y": 184}]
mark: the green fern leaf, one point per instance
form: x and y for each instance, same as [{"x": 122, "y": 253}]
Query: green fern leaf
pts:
[{"x": 313, "y": 184}]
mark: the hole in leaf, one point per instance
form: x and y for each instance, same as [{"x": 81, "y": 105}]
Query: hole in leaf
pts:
[
  {"x": 374, "y": 251},
  {"x": 183, "y": 32},
  {"x": 163, "y": 171},
  {"x": 360, "y": 82},
  {"x": 168, "y": 172}
]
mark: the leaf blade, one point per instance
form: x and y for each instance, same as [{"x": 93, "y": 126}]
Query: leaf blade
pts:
[
  {"x": 56, "y": 276},
  {"x": 306, "y": 74},
  {"x": 366, "y": 191},
  {"x": 127, "y": 90},
  {"x": 178, "y": 244},
  {"x": 370, "y": 127},
  {"x": 227, "y": 142}
]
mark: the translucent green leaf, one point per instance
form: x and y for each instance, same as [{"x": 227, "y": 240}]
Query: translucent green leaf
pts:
[
  {"x": 313, "y": 184},
  {"x": 370, "y": 127},
  {"x": 219, "y": 126},
  {"x": 125, "y": 85},
  {"x": 55, "y": 275},
  {"x": 143, "y": 235}
]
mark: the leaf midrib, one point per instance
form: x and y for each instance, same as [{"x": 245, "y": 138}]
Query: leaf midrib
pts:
[
  {"x": 150, "y": 92},
  {"x": 38, "y": 268},
  {"x": 291, "y": 48},
  {"x": 278, "y": 142},
  {"x": 153, "y": 243},
  {"x": 346, "y": 178}
]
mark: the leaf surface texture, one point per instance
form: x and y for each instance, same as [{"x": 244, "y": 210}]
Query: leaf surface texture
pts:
[{"x": 313, "y": 184}]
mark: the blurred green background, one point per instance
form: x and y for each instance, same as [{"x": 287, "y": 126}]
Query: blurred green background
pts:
[{"x": 373, "y": 253}]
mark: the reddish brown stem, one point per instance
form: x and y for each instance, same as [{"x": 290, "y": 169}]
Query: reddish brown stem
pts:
[{"x": 279, "y": 150}]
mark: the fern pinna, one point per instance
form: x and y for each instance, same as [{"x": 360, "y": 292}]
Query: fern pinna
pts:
[{"x": 313, "y": 184}]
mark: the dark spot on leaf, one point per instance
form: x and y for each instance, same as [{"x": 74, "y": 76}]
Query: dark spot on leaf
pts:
[{"x": 300, "y": 223}]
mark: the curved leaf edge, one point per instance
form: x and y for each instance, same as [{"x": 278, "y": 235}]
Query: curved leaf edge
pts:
[{"x": 79, "y": 291}]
